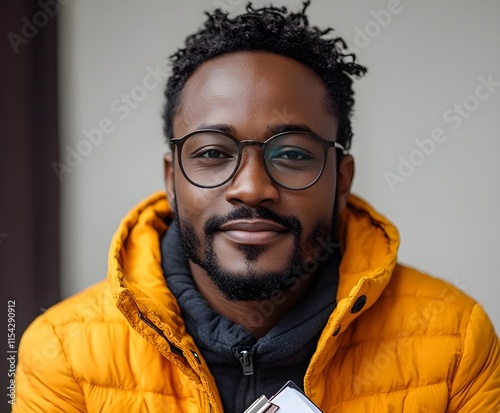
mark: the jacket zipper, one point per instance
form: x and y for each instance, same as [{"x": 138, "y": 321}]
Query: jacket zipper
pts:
[
  {"x": 174, "y": 349},
  {"x": 246, "y": 361}
]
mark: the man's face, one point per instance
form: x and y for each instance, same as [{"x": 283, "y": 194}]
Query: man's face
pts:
[{"x": 250, "y": 235}]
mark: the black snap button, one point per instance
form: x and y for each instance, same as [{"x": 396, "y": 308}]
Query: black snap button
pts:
[
  {"x": 337, "y": 331},
  {"x": 359, "y": 304}
]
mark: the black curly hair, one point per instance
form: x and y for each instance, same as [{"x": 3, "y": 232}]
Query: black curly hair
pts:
[{"x": 275, "y": 30}]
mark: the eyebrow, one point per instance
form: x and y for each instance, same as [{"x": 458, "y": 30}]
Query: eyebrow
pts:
[
  {"x": 272, "y": 130},
  {"x": 222, "y": 127},
  {"x": 285, "y": 127}
]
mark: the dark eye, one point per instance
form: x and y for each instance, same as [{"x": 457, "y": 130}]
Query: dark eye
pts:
[
  {"x": 293, "y": 154},
  {"x": 212, "y": 153}
]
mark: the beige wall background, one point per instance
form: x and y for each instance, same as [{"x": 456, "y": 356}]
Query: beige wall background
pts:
[{"x": 427, "y": 129}]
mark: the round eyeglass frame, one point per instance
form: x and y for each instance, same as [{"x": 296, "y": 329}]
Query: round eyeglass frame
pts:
[{"x": 179, "y": 142}]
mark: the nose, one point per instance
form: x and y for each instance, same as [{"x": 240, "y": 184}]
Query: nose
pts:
[{"x": 251, "y": 185}]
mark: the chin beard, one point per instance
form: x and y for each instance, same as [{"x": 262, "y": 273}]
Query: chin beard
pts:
[{"x": 253, "y": 285}]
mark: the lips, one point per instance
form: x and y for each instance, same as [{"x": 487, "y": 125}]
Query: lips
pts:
[{"x": 252, "y": 231}]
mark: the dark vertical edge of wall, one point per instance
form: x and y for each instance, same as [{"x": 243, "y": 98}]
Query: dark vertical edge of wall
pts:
[{"x": 29, "y": 187}]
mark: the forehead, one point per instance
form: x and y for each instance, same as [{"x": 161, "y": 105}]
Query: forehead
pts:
[{"x": 251, "y": 91}]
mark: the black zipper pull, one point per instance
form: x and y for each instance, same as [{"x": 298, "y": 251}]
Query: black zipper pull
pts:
[{"x": 246, "y": 361}]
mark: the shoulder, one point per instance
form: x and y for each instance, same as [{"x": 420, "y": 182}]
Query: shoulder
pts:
[
  {"x": 69, "y": 321},
  {"x": 415, "y": 304},
  {"x": 94, "y": 304},
  {"x": 80, "y": 332},
  {"x": 423, "y": 294}
]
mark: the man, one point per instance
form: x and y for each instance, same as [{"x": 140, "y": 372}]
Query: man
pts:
[{"x": 259, "y": 266}]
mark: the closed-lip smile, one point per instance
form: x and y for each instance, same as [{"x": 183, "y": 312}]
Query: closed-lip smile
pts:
[{"x": 252, "y": 231}]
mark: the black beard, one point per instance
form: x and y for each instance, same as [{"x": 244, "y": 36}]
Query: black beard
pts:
[{"x": 253, "y": 286}]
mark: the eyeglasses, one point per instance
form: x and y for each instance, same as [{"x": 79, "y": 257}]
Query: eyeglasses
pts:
[{"x": 293, "y": 159}]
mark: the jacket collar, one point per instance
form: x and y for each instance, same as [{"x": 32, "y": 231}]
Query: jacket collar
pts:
[{"x": 369, "y": 243}]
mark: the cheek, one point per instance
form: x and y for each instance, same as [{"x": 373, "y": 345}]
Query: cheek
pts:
[
  {"x": 317, "y": 202},
  {"x": 195, "y": 204}
]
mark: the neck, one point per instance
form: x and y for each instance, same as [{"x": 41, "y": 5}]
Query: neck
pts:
[{"x": 257, "y": 317}]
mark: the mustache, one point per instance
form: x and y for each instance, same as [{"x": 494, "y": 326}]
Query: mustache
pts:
[{"x": 290, "y": 222}]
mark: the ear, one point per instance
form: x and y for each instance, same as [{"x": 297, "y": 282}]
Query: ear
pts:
[
  {"x": 345, "y": 176},
  {"x": 168, "y": 176}
]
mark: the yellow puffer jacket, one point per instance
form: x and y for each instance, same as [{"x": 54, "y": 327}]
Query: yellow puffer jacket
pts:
[{"x": 398, "y": 341}]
